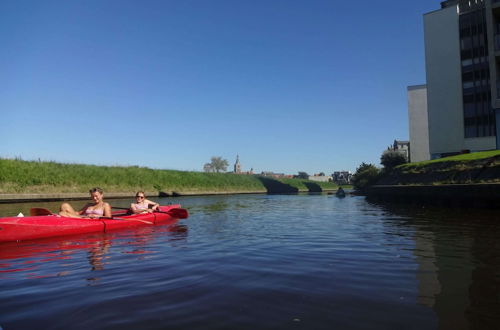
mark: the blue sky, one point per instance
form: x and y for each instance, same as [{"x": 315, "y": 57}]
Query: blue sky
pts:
[{"x": 289, "y": 85}]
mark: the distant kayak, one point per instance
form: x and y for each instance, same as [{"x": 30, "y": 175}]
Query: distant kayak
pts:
[
  {"x": 50, "y": 225},
  {"x": 340, "y": 193}
]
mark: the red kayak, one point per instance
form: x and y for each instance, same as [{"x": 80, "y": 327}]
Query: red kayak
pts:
[{"x": 50, "y": 225}]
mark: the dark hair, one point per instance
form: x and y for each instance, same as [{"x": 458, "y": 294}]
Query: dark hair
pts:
[{"x": 96, "y": 189}]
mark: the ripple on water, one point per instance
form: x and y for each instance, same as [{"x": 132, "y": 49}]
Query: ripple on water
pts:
[{"x": 266, "y": 262}]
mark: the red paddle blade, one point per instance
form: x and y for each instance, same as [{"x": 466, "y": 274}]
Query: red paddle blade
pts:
[
  {"x": 37, "y": 211},
  {"x": 178, "y": 213}
]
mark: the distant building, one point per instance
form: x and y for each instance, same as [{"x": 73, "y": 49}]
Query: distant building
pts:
[
  {"x": 237, "y": 165},
  {"x": 274, "y": 175},
  {"x": 320, "y": 178},
  {"x": 342, "y": 177},
  {"x": 402, "y": 147}
]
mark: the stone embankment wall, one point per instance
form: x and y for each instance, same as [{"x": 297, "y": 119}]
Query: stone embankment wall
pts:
[
  {"x": 452, "y": 195},
  {"x": 463, "y": 184}
]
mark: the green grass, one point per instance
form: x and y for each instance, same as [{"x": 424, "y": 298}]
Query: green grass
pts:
[
  {"x": 18, "y": 176},
  {"x": 458, "y": 158}
]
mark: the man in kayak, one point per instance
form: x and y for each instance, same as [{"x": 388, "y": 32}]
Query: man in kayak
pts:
[
  {"x": 96, "y": 209},
  {"x": 142, "y": 204}
]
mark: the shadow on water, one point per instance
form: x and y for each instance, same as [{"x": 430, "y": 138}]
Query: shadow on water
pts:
[{"x": 274, "y": 186}]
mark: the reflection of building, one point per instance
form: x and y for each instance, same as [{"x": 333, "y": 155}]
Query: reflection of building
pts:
[
  {"x": 462, "y": 55},
  {"x": 457, "y": 265},
  {"x": 342, "y": 177}
]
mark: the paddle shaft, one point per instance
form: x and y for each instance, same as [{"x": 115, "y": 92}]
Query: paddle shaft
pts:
[
  {"x": 123, "y": 219},
  {"x": 176, "y": 212}
]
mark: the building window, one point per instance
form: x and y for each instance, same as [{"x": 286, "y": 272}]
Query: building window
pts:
[{"x": 478, "y": 113}]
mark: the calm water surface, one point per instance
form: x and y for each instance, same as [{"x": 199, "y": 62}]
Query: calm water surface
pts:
[{"x": 262, "y": 262}]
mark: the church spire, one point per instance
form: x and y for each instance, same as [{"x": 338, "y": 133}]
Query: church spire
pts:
[{"x": 237, "y": 165}]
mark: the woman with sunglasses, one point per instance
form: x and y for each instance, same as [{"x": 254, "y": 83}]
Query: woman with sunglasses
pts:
[
  {"x": 142, "y": 204},
  {"x": 97, "y": 209}
]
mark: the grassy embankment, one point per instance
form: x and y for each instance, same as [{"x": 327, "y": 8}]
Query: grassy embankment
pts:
[
  {"x": 477, "y": 167},
  {"x": 18, "y": 176}
]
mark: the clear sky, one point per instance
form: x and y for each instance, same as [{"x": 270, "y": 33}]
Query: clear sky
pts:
[{"x": 289, "y": 85}]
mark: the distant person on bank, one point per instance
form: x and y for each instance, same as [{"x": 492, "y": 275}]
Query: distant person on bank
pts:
[
  {"x": 96, "y": 209},
  {"x": 142, "y": 205}
]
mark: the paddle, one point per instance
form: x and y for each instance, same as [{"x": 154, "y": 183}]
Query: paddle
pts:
[
  {"x": 113, "y": 218},
  {"x": 175, "y": 212},
  {"x": 40, "y": 211}
]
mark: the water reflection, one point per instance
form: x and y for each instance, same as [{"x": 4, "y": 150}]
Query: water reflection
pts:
[
  {"x": 458, "y": 257},
  {"x": 30, "y": 257},
  {"x": 267, "y": 261},
  {"x": 97, "y": 254}
]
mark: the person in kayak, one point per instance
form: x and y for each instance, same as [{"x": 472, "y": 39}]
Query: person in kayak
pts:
[
  {"x": 97, "y": 209},
  {"x": 142, "y": 204}
]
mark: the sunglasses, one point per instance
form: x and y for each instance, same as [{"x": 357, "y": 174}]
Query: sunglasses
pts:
[{"x": 139, "y": 196}]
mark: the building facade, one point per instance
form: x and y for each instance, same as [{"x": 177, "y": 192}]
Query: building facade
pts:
[
  {"x": 461, "y": 62},
  {"x": 418, "y": 123},
  {"x": 342, "y": 177},
  {"x": 403, "y": 147}
]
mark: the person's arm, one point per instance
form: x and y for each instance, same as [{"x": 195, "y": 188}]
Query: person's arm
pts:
[
  {"x": 155, "y": 205},
  {"x": 107, "y": 210}
]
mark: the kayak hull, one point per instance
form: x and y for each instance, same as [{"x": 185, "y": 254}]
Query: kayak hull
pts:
[{"x": 35, "y": 227}]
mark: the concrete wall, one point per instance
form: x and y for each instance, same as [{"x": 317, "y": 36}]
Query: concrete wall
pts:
[
  {"x": 320, "y": 178},
  {"x": 418, "y": 123},
  {"x": 444, "y": 81}
]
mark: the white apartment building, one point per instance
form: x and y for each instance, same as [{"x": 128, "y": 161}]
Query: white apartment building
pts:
[{"x": 458, "y": 109}]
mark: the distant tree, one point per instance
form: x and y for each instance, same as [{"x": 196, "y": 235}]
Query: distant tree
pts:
[
  {"x": 321, "y": 173},
  {"x": 391, "y": 159},
  {"x": 208, "y": 168},
  {"x": 217, "y": 164},
  {"x": 303, "y": 175},
  {"x": 366, "y": 175}
]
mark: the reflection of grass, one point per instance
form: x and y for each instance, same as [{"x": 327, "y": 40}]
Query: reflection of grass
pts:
[
  {"x": 240, "y": 206},
  {"x": 215, "y": 207}
]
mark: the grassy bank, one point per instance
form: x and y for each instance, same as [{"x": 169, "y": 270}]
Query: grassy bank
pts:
[
  {"x": 18, "y": 176},
  {"x": 477, "y": 167}
]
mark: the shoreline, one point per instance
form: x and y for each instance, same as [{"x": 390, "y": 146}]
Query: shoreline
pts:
[{"x": 22, "y": 198}]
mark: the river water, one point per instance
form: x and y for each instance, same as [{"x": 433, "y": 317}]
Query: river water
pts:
[{"x": 262, "y": 262}]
